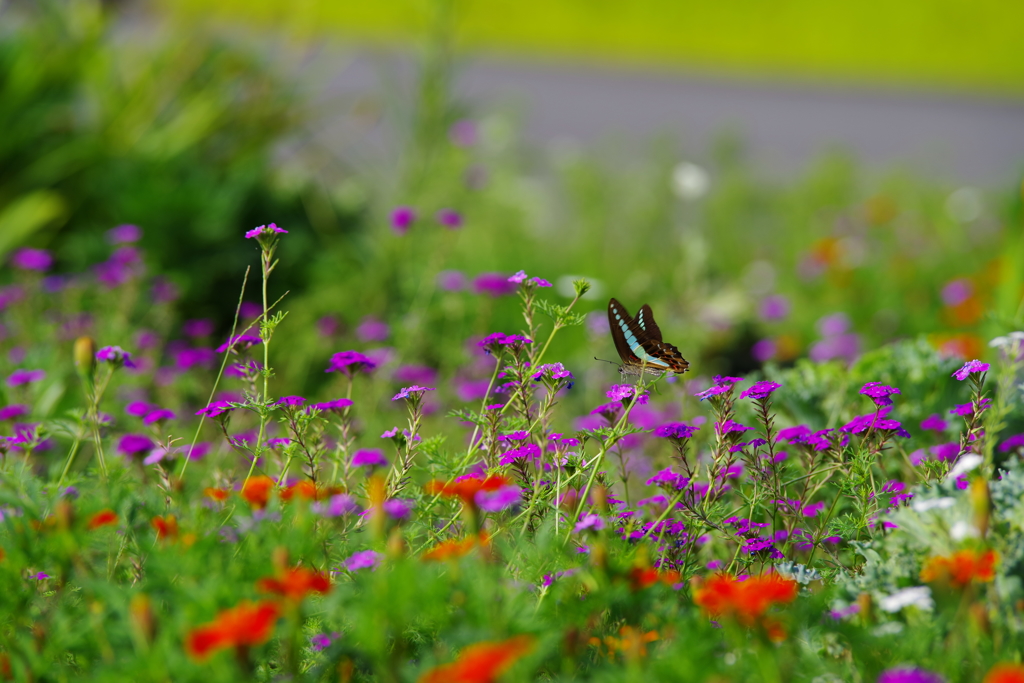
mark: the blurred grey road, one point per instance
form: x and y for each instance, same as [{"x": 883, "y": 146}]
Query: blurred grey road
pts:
[{"x": 953, "y": 138}]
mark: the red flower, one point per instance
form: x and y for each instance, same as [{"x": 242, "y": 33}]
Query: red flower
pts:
[
  {"x": 295, "y": 584},
  {"x": 219, "y": 495},
  {"x": 481, "y": 662},
  {"x": 466, "y": 488},
  {"x": 961, "y": 568},
  {"x": 257, "y": 490},
  {"x": 308, "y": 490},
  {"x": 166, "y": 527},
  {"x": 747, "y": 601},
  {"x": 1005, "y": 673},
  {"x": 102, "y": 518},
  {"x": 642, "y": 577},
  {"x": 244, "y": 625}
]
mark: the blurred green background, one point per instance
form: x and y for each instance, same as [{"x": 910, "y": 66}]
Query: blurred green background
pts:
[{"x": 182, "y": 121}]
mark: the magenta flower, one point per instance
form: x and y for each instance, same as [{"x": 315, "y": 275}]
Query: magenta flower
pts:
[
  {"x": 402, "y": 218},
  {"x": 619, "y": 392},
  {"x": 216, "y": 409},
  {"x": 124, "y": 264},
  {"x": 369, "y": 457},
  {"x": 290, "y": 401},
  {"x": 499, "y": 499},
  {"x": 338, "y": 505},
  {"x": 526, "y": 452},
  {"x": 677, "y": 431},
  {"x": 203, "y": 327},
  {"x": 22, "y": 377},
  {"x": 350, "y": 362},
  {"x": 39, "y": 576},
  {"x": 158, "y": 416},
  {"x": 124, "y": 234},
  {"x": 335, "y": 406},
  {"x": 265, "y": 231},
  {"x": 164, "y": 291},
  {"x": 969, "y": 368},
  {"x": 133, "y": 445},
  {"x": 1013, "y": 443},
  {"x": 32, "y": 259},
  {"x": 463, "y": 133},
  {"x": 760, "y": 390},
  {"x": 764, "y": 350},
  {"x": 396, "y": 508},
  {"x": 328, "y": 326},
  {"x": 518, "y": 278},
  {"x": 449, "y": 218},
  {"x": 494, "y": 284},
  {"x": 186, "y": 359},
  {"x": 414, "y": 374},
  {"x": 934, "y": 423},
  {"x": 909, "y": 675},
  {"x": 365, "y": 559},
  {"x": 774, "y": 307},
  {"x": 115, "y": 356},
  {"x": 321, "y": 641},
  {"x": 552, "y": 370},
  {"x": 879, "y": 393},
  {"x": 589, "y": 520},
  {"x": 956, "y": 292},
  {"x": 452, "y": 281},
  {"x": 372, "y": 329},
  {"x": 414, "y": 392},
  {"x": 13, "y": 412}
]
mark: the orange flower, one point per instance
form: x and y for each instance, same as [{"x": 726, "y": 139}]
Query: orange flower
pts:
[
  {"x": 642, "y": 577},
  {"x": 1005, "y": 672},
  {"x": 295, "y": 584},
  {"x": 246, "y": 624},
  {"x": 466, "y": 488},
  {"x": 723, "y": 595},
  {"x": 965, "y": 346},
  {"x": 481, "y": 662},
  {"x": 257, "y": 490},
  {"x": 453, "y": 548},
  {"x": 308, "y": 490},
  {"x": 102, "y": 518},
  {"x": 219, "y": 495},
  {"x": 166, "y": 527},
  {"x": 632, "y": 642},
  {"x": 961, "y": 568}
]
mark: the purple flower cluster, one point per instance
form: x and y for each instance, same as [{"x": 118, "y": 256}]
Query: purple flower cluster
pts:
[
  {"x": 413, "y": 393},
  {"x": 493, "y": 284},
  {"x": 837, "y": 342},
  {"x": 526, "y": 452},
  {"x": 369, "y": 457},
  {"x": 499, "y": 499},
  {"x": 20, "y": 378},
  {"x": 760, "y": 390},
  {"x": 879, "y": 393},
  {"x": 115, "y": 356},
  {"x": 621, "y": 392},
  {"x": 124, "y": 264},
  {"x": 904, "y": 674},
  {"x": 552, "y": 370},
  {"x": 722, "y": 385},
  {"x": 265, "y": 231},
  {"x": 350, "y": 362},
  {"x": 364, "y": 559},
  {"x": 32, "y": 259},
  {"x": 493, "y": 343},
  {"x": 239, "y": 343},
  {"x": 802, "y": 434},
  {"x": 521, "y": 278},
  {"x": 878, "y": 421},
  {"x": 969, "y": 368},
  {"x": 677, "y": 431}
]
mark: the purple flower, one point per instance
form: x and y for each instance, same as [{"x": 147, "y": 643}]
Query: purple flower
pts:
[
  {"x": 540, "y": 282},
  {"x": 463, "y": 133},
  {"x": 21, "y": 377},
  {"x": 290, "y": 401},
  {"x": 494, "y": 284},
  {"x": 967, "y": 409},
  {"x": 364, "y": 559},
  {"x": 452, "y": 281},
  {"x": 328, "y": 326},
  {"x": 969, "y": 368},
  {"x": 764, "y": 350},
  {"x": 321, "y": 641},
  {"x": 677, "y": 431},
  {"x": 402, "y": 217},
  {"x": 32, "y": 259},
  {"x": 369, "y": 457},
  {"x": 115, "y": 356},
  {"x": 668, "y": 478},
  {"x": 132, "y": 445},
  {"x": 372, "y": 329},
  {"x": 528, "y": 451},
  {"x": 414, "y": 392},
  {"x": 499, "y": 499},
  {"x": 449, "y": 218},
  {"x": 122, "y": 265},
  {"x": 239, "y": 343},
  {"x": 909, "y": 675},
  {"x": 335, "y": 406},
  {"x": 1014, "y": 442},
  {"x": 414, "y": 374},
  {"x": 589, "y": 521},
  {"x": 350, "y": 362},
  {"x": 519, "y": 277},
  {"x": 934, "y": 423},
  {"x": 396, "y": 508},
  {"x": 553, "y": 370},
  {"x": 39, "y": 576},
  {"x": 730, "y": 426},
  {"x": 879, "y": 393},
  {"x": 164, "y": 291},
  {"x": 281, "y": 442},
  {"x": 158, "y": 416},
  {"x": 834, "y": 325},
  {"x": 774, "y": 307},
  {"x": 761, "y": 390},
  {"x": 201, "y": 327},
  {"x": 619, "y": 392},
  {"x": 186, "y": 359},
  {"x": 265, "y": 230},
  {"x": 124, "y": 234},
  {"x": 13, "y": 412},
  {"x": 338, "y": 505},
  {"x": 956, "y": 292},
  {"x": 216, "y": 409}
]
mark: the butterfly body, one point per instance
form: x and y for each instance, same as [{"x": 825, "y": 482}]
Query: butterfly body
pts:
[{"x": 639, "y": 343}]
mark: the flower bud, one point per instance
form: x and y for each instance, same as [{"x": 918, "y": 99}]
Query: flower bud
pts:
[{"x": 85, "y": 356}]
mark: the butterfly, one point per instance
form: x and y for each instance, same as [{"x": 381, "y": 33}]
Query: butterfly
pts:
[{"x": 638, "y": 341}]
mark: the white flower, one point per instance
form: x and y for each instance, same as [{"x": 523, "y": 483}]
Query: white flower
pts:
[
  {"x": 917, "y": 596},
  {"x": 964, "y": 465},
  {"x": 690, "y": 181},
  {"x": 961, "y": 530},
  {"x": 1008, "y": 340},
  {"x": 924, "y": 505}
]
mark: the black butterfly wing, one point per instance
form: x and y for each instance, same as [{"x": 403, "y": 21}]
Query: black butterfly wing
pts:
[
  {"x": 645, "y": 320},
  {"x": 619, "y": 321}
]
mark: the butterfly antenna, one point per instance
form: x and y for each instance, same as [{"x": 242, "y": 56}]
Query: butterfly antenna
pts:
[{"x": 605, "y": 361}]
